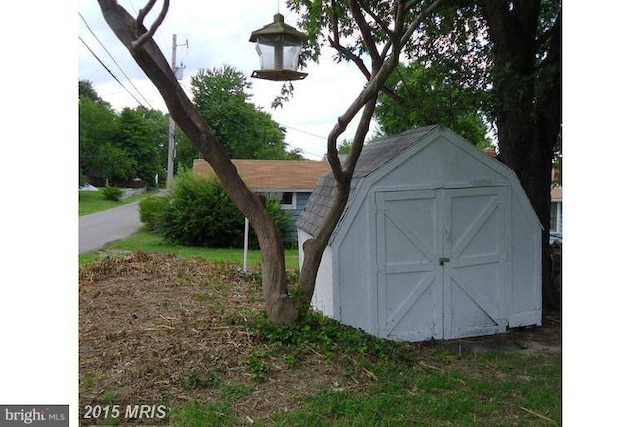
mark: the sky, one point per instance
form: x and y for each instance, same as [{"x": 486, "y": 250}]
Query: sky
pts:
[{"x": 209, "y": 36}]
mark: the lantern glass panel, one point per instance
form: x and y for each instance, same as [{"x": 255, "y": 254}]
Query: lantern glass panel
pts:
[{"x": 278, "y": 53}]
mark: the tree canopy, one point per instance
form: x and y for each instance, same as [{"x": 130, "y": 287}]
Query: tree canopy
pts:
[
  {"x": 425, "y": 96},
  {"x": 86, "y": 90},
  {"x": 119, "y": 146},
  {"x": 97, "y": 125},
  {"x": 140, "y": 138},
  {"x": 246, "y": 131}
]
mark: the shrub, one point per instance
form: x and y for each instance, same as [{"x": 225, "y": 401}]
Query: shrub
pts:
[
  {"x": 151, "y": 210},
  {"x": 111, "y": 193},
  {"x": 199, "y": 213}
]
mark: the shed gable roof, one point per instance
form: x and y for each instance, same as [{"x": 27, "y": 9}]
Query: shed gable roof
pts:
[
  {"x": 265, "y": 175},
  {"x": 373, "y": 156}
]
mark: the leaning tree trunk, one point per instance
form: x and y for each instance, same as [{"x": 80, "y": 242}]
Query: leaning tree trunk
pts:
[
  {"x": 279, "y": 306},
  {"x": 529, "y": 107}
]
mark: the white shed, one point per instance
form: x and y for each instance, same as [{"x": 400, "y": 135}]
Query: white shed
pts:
[{"x": 438, "y": 241}]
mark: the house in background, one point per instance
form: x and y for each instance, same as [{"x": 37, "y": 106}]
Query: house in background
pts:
[
  {"x": 289, "y": 181},
  {"x": 556, "y": 203}
]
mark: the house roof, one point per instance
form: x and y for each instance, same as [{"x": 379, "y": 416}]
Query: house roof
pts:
[
  {"x": 374, "y": 155},
  {"x": 269, "y": 175},
  {"x": 491, "y": 151}
]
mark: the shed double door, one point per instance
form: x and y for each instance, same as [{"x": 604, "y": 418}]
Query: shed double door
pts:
[{"x": 440, "y": 262}]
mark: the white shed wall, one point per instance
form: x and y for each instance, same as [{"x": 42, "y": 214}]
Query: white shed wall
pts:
[
  {"x": 526, "y": 270},
  {"x": 356, "y": 273},
  {"x": 323, "y": 295}
]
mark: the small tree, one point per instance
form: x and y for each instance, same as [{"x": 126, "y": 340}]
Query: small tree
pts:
[{"x": 383, "y": 36}]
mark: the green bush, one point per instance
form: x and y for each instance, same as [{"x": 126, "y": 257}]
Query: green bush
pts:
[
  {"x": 151, "y": 210},
  {"x": 199, "y": 213},
  {"x": 111, "y": 193}
]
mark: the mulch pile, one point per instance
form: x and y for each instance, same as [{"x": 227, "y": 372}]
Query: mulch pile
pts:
[{"x": 151, "y": 326}]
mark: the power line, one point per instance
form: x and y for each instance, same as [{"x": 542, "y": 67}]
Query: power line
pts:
[
  {"x": 114, "y": 61},
  {"x": 109, "y": 71},
  {"x": 305, "y": 132}
]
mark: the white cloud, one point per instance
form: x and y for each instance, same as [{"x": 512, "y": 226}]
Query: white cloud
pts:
[{"x": 217, "y": 36}]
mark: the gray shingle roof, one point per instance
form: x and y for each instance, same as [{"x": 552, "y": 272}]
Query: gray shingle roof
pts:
[{"x": 373, "y": 156}]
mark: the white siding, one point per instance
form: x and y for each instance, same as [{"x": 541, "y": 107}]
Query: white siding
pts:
[{"x": 323, "y": 294}]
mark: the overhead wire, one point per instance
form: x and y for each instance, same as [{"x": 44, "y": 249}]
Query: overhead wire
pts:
[
  {"x": 114, "y": 61},
  {"x": 110, "y": 72}
]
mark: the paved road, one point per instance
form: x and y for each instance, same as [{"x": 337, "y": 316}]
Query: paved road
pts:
[{"x": 100, "y": 228}]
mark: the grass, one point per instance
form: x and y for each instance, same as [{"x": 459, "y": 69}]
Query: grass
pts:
[
  {"x": 406, "y": 384},
  {"x": 92, "y": 201},
  {"x": 149, "y": 242},
  {"x": 403, "y": 384},
  {"x": 418, "y": 395}
]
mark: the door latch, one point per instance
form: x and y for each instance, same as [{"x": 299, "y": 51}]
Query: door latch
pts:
[{"x": 443, "y": 260}]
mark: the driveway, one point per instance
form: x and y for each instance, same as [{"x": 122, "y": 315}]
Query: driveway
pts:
[{"x": 97, "y": 229}]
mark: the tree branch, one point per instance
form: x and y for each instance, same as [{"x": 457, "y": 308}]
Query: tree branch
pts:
[
  {"x": 408, "y": 32},
  {"x": 154, "y": 27},
  {"x": 365, "y": 30},
  {"x": 359, "y": 136},
  {"x": 351, "y": 56},
  {"x": 376, "y": 18},
  {"x": 408, "y": 5},
  {"x": 144, "y": 12}
]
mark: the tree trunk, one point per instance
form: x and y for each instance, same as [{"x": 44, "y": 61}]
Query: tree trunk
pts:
[
  {"x": 279, "y": 306},
  {"x": 314, "y": 247},
  {"x": 528, "y": 107}
]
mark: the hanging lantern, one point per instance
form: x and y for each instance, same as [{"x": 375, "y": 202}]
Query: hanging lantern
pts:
[{"x": 278, "y": 46}]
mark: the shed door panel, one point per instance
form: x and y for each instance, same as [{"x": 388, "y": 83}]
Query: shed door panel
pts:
[
  {"x": 409, "y": 282},
  {"x": 474, "y": 276},
  {"x": 420, "y": 297}
]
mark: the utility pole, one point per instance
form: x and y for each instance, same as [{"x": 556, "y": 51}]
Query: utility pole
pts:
[{"x": 171, "y": 149}]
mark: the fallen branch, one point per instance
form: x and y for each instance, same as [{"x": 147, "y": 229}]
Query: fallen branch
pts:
[
  {"x": 435, "y": 368},
  {"x": 368, "y": 372},
  {"x": 159, "y": 328},
  {"x": 537, "y": 414}
]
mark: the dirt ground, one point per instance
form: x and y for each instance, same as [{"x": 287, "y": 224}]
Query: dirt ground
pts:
[{"x": 151, "y": 326}]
